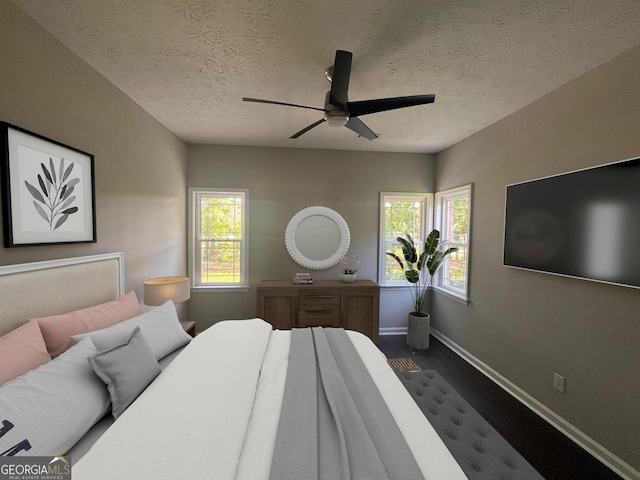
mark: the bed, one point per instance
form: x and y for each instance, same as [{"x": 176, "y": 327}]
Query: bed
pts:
[{"x": 239, "y": 401}]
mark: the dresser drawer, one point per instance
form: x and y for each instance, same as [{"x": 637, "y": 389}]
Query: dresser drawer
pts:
[
  {"x": 321, "y": 315},
  {"x": 318, "y": 296}
]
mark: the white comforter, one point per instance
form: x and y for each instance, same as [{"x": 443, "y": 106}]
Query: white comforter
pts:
[{"x": 214, "y": 412}]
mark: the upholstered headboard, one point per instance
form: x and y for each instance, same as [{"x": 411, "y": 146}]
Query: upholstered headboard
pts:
[{"x": 39, "y": 289}]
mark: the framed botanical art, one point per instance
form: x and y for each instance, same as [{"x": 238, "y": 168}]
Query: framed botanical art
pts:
[{"x": 48, "y": 190}]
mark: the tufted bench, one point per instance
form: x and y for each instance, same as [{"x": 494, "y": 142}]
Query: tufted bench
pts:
[{"x": 480, "y": 450}]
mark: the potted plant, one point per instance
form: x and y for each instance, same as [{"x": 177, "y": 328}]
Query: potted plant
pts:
[
  {"x": 349, "y": 273},
  {"x": 419, "y": 271}
]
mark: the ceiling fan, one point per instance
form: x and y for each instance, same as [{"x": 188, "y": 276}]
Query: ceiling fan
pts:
[{"x": 339, "y": 111}]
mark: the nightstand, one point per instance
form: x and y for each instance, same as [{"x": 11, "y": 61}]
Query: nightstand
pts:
[{"x": 189, "y": 327}]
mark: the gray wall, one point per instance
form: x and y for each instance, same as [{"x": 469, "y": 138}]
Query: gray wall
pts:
[
  {"x": 527, "y": 325},
  {"x": 282, "y": 181},
  {"x": 140, "y": 166}
]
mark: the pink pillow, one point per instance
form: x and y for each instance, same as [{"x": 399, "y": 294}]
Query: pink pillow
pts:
[
  {"x": 21, "y": 350},
  {"x": 57, "y": 329}
]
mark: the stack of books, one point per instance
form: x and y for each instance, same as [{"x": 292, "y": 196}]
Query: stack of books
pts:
[{"x": 302, "y": 278}]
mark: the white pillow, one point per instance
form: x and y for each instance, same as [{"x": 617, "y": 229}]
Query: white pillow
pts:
[
  {"x": 126, "y": 369},
  {"x": 47, "y": 410},
  {"x": 160, "y": 328}
]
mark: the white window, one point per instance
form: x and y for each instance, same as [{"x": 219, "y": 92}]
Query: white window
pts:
[
  {"x": 218, "y": 229},
  {"x": 453, "y": 219},
  {"x": 401, "y": 213}
]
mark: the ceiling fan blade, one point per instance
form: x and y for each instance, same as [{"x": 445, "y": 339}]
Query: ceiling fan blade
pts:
[
  {"x": 360, "y": 128},
  {"x": 340, "y": 79},
  {"x": 306, "y": 129},
  {"x": 271, "y": 102},
  {"x": 365, "y": 107}
]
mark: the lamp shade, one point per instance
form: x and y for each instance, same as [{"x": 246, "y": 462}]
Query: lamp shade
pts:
[{"x": 158, "y": 290}]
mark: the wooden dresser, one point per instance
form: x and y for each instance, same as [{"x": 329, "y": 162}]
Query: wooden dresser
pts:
[{"x": 327, "y": 303}]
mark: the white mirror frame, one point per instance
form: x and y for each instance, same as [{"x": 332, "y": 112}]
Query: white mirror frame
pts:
[{"x": 294, "y": 250}]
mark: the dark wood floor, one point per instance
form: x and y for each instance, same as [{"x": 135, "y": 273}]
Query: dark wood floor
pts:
[{"x": 550, "y": 452}]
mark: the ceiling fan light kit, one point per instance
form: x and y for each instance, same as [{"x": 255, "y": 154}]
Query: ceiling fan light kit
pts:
[{"x": 339, "y": 112}]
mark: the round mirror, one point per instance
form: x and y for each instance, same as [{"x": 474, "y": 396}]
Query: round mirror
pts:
[{"x": 317, "y": 238}]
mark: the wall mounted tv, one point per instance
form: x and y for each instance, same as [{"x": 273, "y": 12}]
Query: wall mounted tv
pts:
[{"x": 583, "y": 224}]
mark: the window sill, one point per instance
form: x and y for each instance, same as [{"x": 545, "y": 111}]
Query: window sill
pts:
[
  {"x": 458, "y": 297},
  {"x": 394, "y": 287},
  {"x": 221, "y": 288}
]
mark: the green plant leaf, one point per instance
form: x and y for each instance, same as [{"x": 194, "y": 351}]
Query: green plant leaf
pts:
[
  {"x": 34, "y": 192},
  {"x": 408, "y": 249},
  {"x": 421, "y": 260},
  {"x": 431, "y": 244},
  {"x": 435, "y": 261},
  {"x": 413, "y": 276},
  {"x": 397, "y": 258}
]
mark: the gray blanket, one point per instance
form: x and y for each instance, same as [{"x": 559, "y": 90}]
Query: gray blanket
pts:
[{"x": 334, "y": 423}]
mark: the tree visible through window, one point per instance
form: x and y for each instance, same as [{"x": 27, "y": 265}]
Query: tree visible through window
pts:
[
  {"x": 401, "y": 213},
  {"x": 453, "y": 211},
  {"x": 219, "y": 237}
]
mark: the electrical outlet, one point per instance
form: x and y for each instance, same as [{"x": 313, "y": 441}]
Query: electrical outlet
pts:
[{"x": 558, "y": 382}]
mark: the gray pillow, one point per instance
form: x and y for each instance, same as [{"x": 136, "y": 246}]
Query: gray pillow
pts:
[
  {"x": 126, "y": 369},
  {"x": 47, "y": 410},
  {"x": 160, "y": 328}
]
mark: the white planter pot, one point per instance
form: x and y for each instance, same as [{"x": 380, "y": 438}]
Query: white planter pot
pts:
[
  {"x": 418, "y": 331},
  {"x": 348, "y": 277}
]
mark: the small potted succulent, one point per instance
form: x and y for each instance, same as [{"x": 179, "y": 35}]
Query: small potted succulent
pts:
[{"x": 419, "y": 271}]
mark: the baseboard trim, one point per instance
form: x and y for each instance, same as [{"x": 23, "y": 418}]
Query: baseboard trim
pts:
[
  {"x": 583, "y": 440},
  {"x": 393, "y": 331}
]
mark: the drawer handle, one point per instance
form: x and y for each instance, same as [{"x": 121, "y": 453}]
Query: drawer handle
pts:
[
  {"x": 320, "y": 296},
  {"x": 319, "y": 311}
]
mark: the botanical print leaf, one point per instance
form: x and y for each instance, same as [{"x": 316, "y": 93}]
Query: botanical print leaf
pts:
[
  {"x": 67, "y": 192},
  {"x": 53, "y": 170},
  {"x": 43, "y": 186},
  {"x": 61, "y": 168},
  {"x": 67, "y": 202},
  {"x": 46, "y": 173},
  {"x": 56, "y": 199},
  {"x": 61, "y": 220},
  {"x": 67, "y": 172},
  {"x": 40, "y": 211},
  {"x": 34, "y": 192}
]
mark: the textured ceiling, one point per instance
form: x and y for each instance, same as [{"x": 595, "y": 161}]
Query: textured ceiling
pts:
[{"x": 189, "y": 62}]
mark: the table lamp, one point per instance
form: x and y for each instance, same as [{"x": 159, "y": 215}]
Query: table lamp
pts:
[{"x": 158, "y": 290}]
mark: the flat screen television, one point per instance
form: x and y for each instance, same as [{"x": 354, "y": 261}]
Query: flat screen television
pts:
[{"x": 583, "y": 224}]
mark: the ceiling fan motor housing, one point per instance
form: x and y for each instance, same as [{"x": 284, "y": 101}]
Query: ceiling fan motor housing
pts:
[{"x": 334, "y": 116}]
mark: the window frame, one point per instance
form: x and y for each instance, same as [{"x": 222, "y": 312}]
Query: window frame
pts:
[
  {"x": 464, "y": 191},
  {"x": 427, "y": 225},
  {"x": 194, "y": 267}
]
